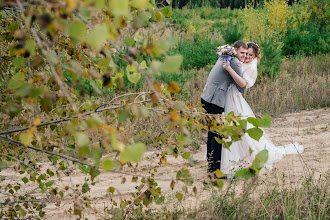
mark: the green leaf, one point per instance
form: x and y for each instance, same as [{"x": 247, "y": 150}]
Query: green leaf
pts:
[
  {"x": 82, "y": 139},
  {"x": 71, "y": 146},
  {"x": 179, "y": 196},
  {"x": 17, "y": 80},
  {"x": 100, "y": 4},
  {"x": 111, "y": 189},
  {"x": 12, "y": 109},
  {"x": 219, "y": 183},
  {"x": 253, "y": 121},
  {"x": 50, "y": 173},
  {"x": 77, "y": 30},
  {"x": 97, "y": 36},
  {"x": 94, "y": 172},
  {"x": 255, "y": 133},
  {"x": 185, "y": 155},
  {"x": 134, "y": 77},
  {"x": 85, "y": 188},
  {"x": 25, "y": 180},
  {"x": 132, "y": 152},
  {"x": 227, "y": 145},
  {"x": 158, "y": 16},
  {"x": 172, "y": 64},
  {"x": 265, "y": 121},
  {"x": 50, "y": 183},
  {"x": 130, "y": 41},
  {"x": 30, "y": 46},
  {"x": 119, "y": 7},
  {"x": 107, "y": 165},
  {"x": 219, "y": 140},
  {"x": 244, "y": 173},
  {"x": 19, "y": 62},
  {"x": 167, "y": 11},
  {"x": 123, "y": 115},
  {"x": 26, "y": 138},
  {"x": 260, "y": 160}
]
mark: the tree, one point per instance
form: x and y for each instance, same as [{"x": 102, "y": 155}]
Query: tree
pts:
[{"x": 59, "y": 59}]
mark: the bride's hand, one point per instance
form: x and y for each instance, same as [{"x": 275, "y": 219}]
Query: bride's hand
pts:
[{"x": 225, "y": 66}]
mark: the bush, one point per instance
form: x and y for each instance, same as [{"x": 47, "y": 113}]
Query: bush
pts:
[
  {"x": 271, "y": 57},
  {"x": 308, "y": 39},
  {"x": 232, "y": 33},
  {"x": 196, "y": 53}
]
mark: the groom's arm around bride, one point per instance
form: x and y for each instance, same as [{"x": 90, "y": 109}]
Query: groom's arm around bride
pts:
[{"x": 214, "y": 95}]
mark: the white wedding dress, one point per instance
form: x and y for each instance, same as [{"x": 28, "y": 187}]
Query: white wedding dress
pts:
[{"x": 239, "y": 155}]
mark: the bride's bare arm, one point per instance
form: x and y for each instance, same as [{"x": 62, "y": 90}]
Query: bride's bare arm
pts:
[{"x": 241, "y": 82}]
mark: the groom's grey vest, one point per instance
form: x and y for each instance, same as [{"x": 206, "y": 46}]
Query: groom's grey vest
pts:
[{"x": 215, "y": 90}]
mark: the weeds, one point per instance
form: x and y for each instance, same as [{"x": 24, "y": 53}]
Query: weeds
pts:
[{"x": 277, "y": 200}]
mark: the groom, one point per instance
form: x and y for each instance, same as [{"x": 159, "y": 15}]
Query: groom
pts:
[{"x": 213, "y": 99}]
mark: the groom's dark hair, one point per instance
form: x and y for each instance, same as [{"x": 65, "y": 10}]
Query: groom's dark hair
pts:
[{"x": 238, "y": 44}]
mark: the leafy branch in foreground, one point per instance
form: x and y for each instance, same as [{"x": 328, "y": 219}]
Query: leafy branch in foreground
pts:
[{"x": 55, "y": 48}]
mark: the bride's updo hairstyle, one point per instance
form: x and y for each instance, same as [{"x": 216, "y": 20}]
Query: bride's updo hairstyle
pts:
[{"x": 255, "y": 48}]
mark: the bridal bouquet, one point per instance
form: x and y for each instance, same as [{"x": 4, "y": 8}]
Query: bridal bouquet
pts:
[{"x": 226, "y": 53}]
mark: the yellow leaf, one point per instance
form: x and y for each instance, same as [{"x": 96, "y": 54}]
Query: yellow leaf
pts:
[
  {"x": 119, "y": 7},
  {"x": 131, "y": 68},
  {"x": 173, "y": 87},
  {"x": 72, "y": 4},
  {"x": 143, "y": 65},
  {"x": 163, "y": 160},
  {"x": 219, "y": 173},
  {"x": 31, "y": 130},
  {"x": 26, "y": 138},
  {"x": 36, "y": 121},
  {"x": 157, "y": 87},
  {"x": 141, "y": 4},
  {"x": 174, "y": 116}
]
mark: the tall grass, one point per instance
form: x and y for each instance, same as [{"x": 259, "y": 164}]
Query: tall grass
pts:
[{"x": 276, "y": 200}]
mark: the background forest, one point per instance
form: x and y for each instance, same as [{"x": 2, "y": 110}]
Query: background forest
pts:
[{"x": 113, "y": 86}]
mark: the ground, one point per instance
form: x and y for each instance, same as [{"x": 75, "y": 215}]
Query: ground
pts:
[{"x": 309, "y": 128}]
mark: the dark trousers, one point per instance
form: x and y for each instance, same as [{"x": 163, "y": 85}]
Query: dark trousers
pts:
[{"x": 213, "y": 147}]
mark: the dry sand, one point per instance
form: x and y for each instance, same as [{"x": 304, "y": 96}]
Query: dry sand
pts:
[{"x": 309, "y": 128}]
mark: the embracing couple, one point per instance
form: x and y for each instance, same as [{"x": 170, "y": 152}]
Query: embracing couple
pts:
[{"x": 223, "y": 93}]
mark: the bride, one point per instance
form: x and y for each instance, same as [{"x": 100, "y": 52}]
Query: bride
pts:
[{"x": 239, "y": 155}]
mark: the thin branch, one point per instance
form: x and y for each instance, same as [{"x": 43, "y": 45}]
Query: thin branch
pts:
[
  {"x": 46, "y": 151},
  {"x": 70, "y": 118},
  {"x": 127, "y": 94},
  {"x": 81, "y": 162},
  {"x": 19, "y": 161},
  {"x": 29, "y": 201}
]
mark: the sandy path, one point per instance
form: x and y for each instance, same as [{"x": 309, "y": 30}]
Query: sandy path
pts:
[{"x": 309, "y": 128}]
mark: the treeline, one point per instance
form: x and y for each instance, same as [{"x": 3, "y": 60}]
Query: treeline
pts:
[{"x": 218, "y": 3}]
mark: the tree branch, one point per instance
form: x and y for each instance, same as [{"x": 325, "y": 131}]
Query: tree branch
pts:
[
  {"x": 46, "y": 151},
  {"x": 70, "y": 118}
]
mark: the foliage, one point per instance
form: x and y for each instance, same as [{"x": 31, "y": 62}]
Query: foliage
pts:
[
  {"x": 308, "y": 39},
  {"x": 198, "y": 52},
  {"x": 232, "y": 33},
  {"x": 271, "y": 60},
  {"x": 54, "y": 54},
  {"x": 280, "y": 200}
]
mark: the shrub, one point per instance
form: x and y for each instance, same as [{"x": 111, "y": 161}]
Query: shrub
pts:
[
  {"x": 232, "y": 33},
  {"x": 271, "y": 57},
  {"x": 196, "y": 53},
  {"x": 308, "y": 39}
]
